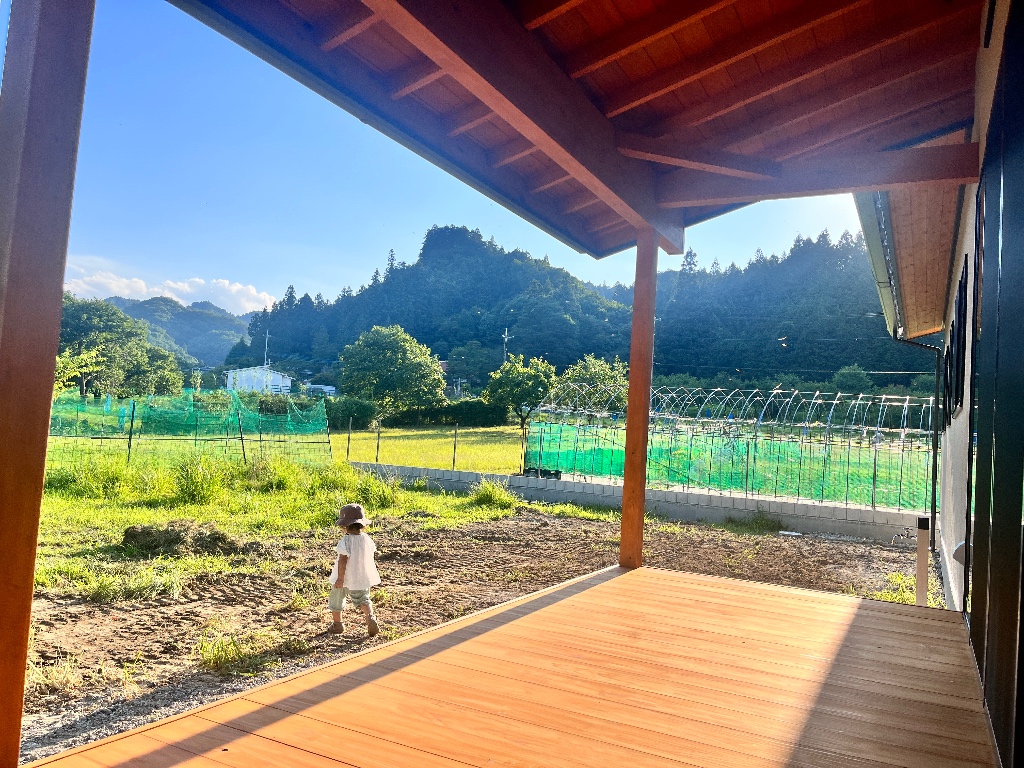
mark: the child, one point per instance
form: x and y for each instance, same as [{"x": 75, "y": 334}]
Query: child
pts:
[{"x": 354, "y": 571}]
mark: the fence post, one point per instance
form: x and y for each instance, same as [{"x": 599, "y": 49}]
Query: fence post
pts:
[
  {"x": 921, "y": 585},
  {"x": 874, "y": 473},
  {"x": 376, "y": 459},
  {"x": 455, "y": 446},
  {"x": 131, "y": 432},
  {"x": 241, "y": 437},
  {"x": 522, "y": 451},
  {"x": 348, "y": 446}
]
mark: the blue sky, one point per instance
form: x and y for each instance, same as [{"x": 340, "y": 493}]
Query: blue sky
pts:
[{"x": 204, "y": 173}]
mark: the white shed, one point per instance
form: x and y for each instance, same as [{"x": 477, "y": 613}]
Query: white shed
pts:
[{"x": 259, "y": 378}]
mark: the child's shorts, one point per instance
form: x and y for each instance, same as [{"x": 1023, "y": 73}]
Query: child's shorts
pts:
[{"x": 342, "y": 596}]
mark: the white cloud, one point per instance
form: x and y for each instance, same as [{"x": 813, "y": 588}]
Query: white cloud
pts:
[{"x": 234, "y": 297}]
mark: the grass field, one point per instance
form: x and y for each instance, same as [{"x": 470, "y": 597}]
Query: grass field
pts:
[
  {"x": 88, "y": 507},
  {"x": 480, "y": 449}
]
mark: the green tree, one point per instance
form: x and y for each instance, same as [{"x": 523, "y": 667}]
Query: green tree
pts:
[
  {"x": 852, "y": 380},
  {"x": 521, "y": 386},
  {"x": 472, "y": 362},
  {"x": 71, "y": 366},
  {"x": 603, "y": 386},
  {"x": 156, "y": 373},
  {"x": 391, "y": 368},
  {"x": 120, "y": 342}
]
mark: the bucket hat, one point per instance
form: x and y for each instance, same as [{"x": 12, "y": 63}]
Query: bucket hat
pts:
[{"x": 352, "y": 513}]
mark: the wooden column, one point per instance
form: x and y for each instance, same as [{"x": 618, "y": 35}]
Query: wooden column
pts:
[
  {"x": 40, "y": 114},
  {"x": 638, "y": 412}
]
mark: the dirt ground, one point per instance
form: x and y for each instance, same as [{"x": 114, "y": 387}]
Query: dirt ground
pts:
[{"x": 429, "y": 577}]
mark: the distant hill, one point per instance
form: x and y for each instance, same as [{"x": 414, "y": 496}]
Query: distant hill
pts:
[
  {"x": 201, "y": 330},
  {"x": 805, "y": 313}
]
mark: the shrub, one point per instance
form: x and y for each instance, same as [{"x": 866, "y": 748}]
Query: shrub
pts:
[
  {"x": 493, "y": 494},
  {"x": 376, "y": 492},
  {"x": 340, "y": 409},
  {"x": 331, "y": 478},
  {"x": 465, "y": 413},
  {"x": 266, "y": 474},
  {"x": 197, "y": 480}
]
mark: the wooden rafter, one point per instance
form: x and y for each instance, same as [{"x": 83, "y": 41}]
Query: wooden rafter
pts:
[
  {"x": 726, "y": 53},
  {"x": 671, "y": 152},
  {"x": 547, "y": 180},
  {"x": 946, "y": 165},
  {"x": 638, "y": 34},
  {"x": 885, "y": 109},
  {"x": 416, "y": 76},
  {"x": 469, "y": 118},
  {"x": 537, "y": 13},
  {"x": 483, "y": 48},
  {"x": 580, "y": 202},
  {"x": 827, "y": 59},
  {"x": 878, "y": 81},
  {"x": 510, "y": 152},
  {"x": 353, "y": 19}
]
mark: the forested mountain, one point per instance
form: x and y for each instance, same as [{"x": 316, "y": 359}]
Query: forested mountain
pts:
[
  {"x": 461, "y": 289},
  {"x": 807, "y": 313},
  {"x": 201, "y": 330}
]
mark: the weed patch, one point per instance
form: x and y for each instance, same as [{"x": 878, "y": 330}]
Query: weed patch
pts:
[
  {"x": 759, "y": 524},
  {"x": 489, "y": 493}
]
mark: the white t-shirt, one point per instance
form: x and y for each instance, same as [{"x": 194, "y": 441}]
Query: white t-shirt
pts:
[{"x": 360, "y": 572}]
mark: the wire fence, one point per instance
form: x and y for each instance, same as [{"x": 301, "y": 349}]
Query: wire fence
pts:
[
  {"x": 853, "y": 449},
  {"x": 161, "y": 428}
]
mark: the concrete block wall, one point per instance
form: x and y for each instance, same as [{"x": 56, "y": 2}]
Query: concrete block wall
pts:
[{"x": 694, "y": 505}]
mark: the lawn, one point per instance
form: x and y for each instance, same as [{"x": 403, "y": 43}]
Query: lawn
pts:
[{"x": 480, "y": 449}]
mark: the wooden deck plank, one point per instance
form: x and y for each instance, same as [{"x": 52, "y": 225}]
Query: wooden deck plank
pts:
[{"x": 640, "y": 668}]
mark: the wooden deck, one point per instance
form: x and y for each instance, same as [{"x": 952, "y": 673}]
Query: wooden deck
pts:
[{"x": 619, "y": 668}]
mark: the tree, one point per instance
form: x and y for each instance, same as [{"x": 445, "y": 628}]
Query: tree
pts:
[
  {"x": 156, "y": 373},
  {"x": 852, "y": 380},
  {"x": 120, "y": 342},
  {"x": 71, "y": 366},
  {"x": 521, "y": 386},
  {"x": 603, "y": 386},
  {"x": 391, "y": 368},
  {"x": 472, "y": 362}
]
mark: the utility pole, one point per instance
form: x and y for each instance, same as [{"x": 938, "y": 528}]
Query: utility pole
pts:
[
  {"x": 266, "y": 350},
  {"x": 504, "y": 345},
  {"x": 459, "y": 381}
]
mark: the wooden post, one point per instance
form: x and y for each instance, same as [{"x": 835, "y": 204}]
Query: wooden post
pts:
[
  {"x": 40, "y": 116},
  {"x": 455, "y": 446},
  {"x": 923, "y": 547},
  {"x": 348, "y": 445},
  {"x": 638, "y": 412}
]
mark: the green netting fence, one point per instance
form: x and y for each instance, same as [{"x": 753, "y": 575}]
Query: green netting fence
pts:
[
  {"x": 161, "y": 428},
  {"x": 850, "y": 449}
]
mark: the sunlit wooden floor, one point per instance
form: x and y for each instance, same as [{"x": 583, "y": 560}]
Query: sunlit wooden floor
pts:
[{"x": 620, "y": 668}]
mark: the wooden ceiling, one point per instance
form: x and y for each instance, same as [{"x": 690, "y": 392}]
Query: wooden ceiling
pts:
[{"x": 593, "y": 118}]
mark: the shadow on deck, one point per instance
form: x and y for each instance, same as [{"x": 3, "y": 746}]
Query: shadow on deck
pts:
[{"x": 641, "y": 668}]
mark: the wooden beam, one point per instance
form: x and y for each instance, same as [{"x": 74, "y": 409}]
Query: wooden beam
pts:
[
  {"x": 947, "y": 165},
  {"x": 353, "y": 19},
  {"x": 411, "y": 79},
  {"x": 951, "y": 54},
  {"x": 671, "y": 152},
  {"x": 469, "y": 118},
  {"x": 40, "y": 116},
  {"x": 884, "y": 111},
  {"x": 604, "y": 220},
  {"x": 483, "y": 48},
  {"x": 580, "y": 202},
  {"x": 548, "y": 180},
  {"x": 639, "y": 33},
  {"x": 726, "y": 53},
  {"x": 638, "y": 409},
  {"x": 510, "y": 152},
  {"x": 824, "y": 60},
  {"x": 537, "y": 13}
]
